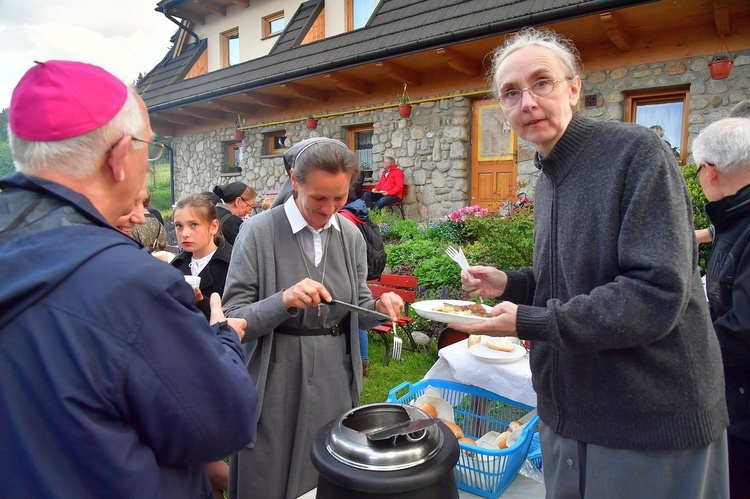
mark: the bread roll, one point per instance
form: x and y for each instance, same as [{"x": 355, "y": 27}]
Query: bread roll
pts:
[
  {"x": 161, "y": 255},
  {"x": 498, "y": 344},
  {"x": 429, "y": 409},
  {"x": 513, "y": 425},
  {"x": 502, "y": 440},
  {"x": 467, "y": 441},
  {"x": 457, "y": 431},
  {"x": 474, "y": 339}
]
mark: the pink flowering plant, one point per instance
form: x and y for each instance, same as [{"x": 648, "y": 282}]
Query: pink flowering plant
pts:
[{"x": 467, "y": 212}]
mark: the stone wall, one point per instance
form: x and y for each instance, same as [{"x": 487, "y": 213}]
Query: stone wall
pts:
[{"x": 433, "y": 145}]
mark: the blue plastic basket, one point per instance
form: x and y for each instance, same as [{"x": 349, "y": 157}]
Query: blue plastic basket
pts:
[
  {"x": 535, "y": 452},
  {"x": 481, "y": 471}
]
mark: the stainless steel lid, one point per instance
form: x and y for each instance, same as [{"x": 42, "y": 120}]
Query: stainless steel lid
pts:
[{"x": 348, "y": 441}]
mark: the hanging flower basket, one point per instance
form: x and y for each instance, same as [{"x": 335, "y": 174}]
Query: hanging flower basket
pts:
[
  {"x": 311, "y": 123},
  {"x": 721, "y": 63},
  {"x": 404, "y": 110},
  {"x": 720, "y": 68},
  {"x": 239, "y": 134}
]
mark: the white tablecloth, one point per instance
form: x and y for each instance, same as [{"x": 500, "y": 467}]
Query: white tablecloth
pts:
[{"x": 511, "y": 380}]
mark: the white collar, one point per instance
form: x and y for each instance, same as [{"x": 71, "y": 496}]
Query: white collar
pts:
[{"x": 298, "y": 222}]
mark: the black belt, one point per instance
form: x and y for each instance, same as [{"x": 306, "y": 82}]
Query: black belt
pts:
[{"x": 335, "y": 330}]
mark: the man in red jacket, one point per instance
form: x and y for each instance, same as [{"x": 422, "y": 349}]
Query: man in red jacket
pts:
[{"x": 390, "y": 187}]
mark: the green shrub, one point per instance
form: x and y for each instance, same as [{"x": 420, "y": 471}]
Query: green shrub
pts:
[{"x": 700, "y": 219}]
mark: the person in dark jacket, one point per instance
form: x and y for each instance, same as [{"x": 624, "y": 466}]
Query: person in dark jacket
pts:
[
  {"x": 722, "y": 152},
  {"x": 624, "y": 361},
  {"x": 237, "y": 202},
  {"x": 111, "y": 381},
  {"x": 205, "y": 252}
]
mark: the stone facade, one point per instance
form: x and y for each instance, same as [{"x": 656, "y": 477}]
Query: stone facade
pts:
[{"x": 433, "y": 145}]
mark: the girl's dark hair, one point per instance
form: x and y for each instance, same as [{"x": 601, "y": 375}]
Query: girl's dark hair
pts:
[{"x": 202, "y": 205}]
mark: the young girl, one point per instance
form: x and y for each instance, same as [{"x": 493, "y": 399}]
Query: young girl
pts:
[{"x": 205, "y": 252}]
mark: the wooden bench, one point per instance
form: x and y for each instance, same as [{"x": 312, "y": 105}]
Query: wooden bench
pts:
[
  {"x": 399, "y": 205},
  {"x": 262, "y": 195},
  {"x": 406, "y": 287}
]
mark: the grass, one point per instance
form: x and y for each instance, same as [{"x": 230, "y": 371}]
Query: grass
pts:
[
  {"x": 412, "y": 367},
  {"x": 160, "y": 185}
]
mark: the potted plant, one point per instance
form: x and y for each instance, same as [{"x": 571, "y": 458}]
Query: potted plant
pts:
[
  {"x": 311, "y": 122},
  {"x": 230, "y": 168},
  {"x": 720, "y": 66},
  {"x": 404, "y": 104},
  {"x": 238, "y": 133}
]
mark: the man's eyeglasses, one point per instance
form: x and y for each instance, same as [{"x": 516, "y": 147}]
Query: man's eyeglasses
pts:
[
  {"x": 155, "y": 149},
  {"x": 698, "y": 170},
  {"x": 540, "y": 88}
]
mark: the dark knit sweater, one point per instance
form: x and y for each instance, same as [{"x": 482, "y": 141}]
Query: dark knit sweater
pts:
[{"x": 623, "y": 352}]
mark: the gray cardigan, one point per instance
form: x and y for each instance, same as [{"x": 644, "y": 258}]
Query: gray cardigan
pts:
[
  {"x": 623, "y": 352},
  {"x": 252, "y": 294}
]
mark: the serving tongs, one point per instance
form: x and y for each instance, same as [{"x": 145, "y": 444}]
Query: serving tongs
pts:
[{"x": 412, "y": 430}]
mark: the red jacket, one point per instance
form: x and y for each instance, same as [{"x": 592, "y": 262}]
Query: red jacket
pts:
[{"x": 393, "y": 183}]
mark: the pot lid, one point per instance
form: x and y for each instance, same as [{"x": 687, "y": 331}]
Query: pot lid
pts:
[{"x": 348, "y": 439}]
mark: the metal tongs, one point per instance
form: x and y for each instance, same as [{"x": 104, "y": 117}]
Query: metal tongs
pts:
[{"x": 407, "y": 429}]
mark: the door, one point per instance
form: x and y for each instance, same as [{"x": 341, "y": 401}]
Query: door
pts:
[{"x": 493, "y": 156}]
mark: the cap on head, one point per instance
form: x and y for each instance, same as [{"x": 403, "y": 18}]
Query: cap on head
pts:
[{"x": 57, "y": 100}]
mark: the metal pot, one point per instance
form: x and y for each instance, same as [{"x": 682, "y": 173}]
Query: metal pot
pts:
[{"x": 356, "y": 458}]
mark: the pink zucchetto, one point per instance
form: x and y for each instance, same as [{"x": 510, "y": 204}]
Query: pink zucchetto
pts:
[{"x": 57, "y": 100}]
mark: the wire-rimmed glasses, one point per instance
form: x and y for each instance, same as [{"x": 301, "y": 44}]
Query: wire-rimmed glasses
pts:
[
  {"x": 540, "y": 88},
  {"x": 155, "y": 149}
]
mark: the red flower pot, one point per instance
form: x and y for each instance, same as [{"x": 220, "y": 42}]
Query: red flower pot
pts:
[
  {"x": 311, "y": 123},
  {"x": 404, "y": 110},
  {"x": 239, "y": 134},
  {"x": 720, "y": 69}
]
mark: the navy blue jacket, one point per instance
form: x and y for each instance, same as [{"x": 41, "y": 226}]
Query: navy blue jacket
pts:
[
  {"x": 112, "y": 383},
  {"x": 728, "y": 288}
]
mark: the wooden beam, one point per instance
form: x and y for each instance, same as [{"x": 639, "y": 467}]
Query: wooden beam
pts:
[
  {"x": 721, "y": 17},
  {"x": 213, "y": 7},
  {"x": 617, "y": 34},
  {"x": 234, "y": 107},
  {"x": 180, "y": 119},
  {"x": 399, "y": 73},
  {"x": 190, "y": 16},
  {"x": 459, "y": 62},
  {"x": 266, "y": 100},
  {"x": 208, "y": 114},
  {"x": 349, "y": 83},
  {"x": 306, "y": 92},
  {"x": 242, "y": 3}
]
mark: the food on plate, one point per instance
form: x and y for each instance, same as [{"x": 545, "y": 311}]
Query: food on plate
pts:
[
  {"x": 429, "y": 409},
  {"x": 474, "y": 310},
  {"x": 457, "y": 431},
  {"x": 502, "y": 440},
  {"x": 474, "y": 339},
  {"x": 499, "y": 344}
]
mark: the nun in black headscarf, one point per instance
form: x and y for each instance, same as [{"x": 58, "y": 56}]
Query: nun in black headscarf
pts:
[{"x": 237, "y": 201}]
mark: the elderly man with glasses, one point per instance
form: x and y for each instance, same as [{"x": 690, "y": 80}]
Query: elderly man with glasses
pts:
[
  {"x": 112, "y": 382},
  {"x": 722, "y": 151}
]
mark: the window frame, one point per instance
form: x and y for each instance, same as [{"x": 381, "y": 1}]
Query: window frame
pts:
[
  {"x": 350, "y": 14},
  {"x": 268, "y": 20},
  {"x": 663, "y": 96},
  {"x": 353, "y": 131},
  {"x": 271, "y": 142},
  {"x": 226, "y": 36},
  {"x": 230, "y": 148}
]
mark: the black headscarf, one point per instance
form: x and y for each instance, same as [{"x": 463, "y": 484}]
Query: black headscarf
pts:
[{"x": 228, "y": 193}]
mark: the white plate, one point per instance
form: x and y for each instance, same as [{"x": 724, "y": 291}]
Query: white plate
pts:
[
  {"x": 427, "y": 310},
  {"x": 487, "y": 354}
]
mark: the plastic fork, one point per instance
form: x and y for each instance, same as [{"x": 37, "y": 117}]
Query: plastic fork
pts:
[
  {"x": 397, "y": 344},
  {"x": 457, "y": 255}
]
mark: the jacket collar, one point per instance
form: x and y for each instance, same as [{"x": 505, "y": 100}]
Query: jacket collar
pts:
[
  {"x": 725, "y": 211},
  {"x": 559, "y": 162}
]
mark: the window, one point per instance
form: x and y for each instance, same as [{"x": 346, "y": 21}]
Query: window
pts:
[
  {"x": 234, "y": 154},
  {"x": 360, "y": 141},
  {"x": 273, "y": 24},
  {"x": 276, "y": 142},
  {"x": 665, "y": 108},
  {"x": 358, "y": 12},
  {"x": 230, "y": 47}
]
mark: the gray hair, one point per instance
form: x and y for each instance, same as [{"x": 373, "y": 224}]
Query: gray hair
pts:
[
  {"x": 79, "y": 156},
  {"x": 726, "y": 145},
  {"x": 563, "y": 48},
  {"x": 741, "y": 110}
]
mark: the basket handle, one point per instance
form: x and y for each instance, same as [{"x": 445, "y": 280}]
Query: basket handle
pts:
[{"x": 393, "y": 395}]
